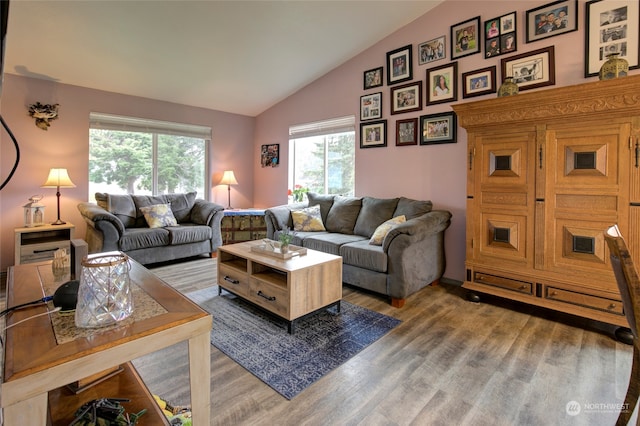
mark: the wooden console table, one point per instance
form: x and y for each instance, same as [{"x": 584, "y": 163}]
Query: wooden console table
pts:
[{"x": 36, "y": 366}]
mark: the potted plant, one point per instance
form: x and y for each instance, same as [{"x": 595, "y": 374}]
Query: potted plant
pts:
[{"x": 285, "y": 237}]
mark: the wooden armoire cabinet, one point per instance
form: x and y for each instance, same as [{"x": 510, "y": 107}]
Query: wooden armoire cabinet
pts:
[{"x": 547, "y": 173}]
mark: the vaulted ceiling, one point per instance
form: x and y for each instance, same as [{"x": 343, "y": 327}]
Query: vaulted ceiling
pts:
[{"x": 235, "y": 56}]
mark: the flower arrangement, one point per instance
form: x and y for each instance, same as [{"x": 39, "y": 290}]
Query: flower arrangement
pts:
[
  {"x": 43, "y": 114},
  {"x": 285, "y": 237},
  {"x": 298, "y": 193}
]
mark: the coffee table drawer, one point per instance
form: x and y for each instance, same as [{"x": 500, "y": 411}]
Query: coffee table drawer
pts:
[
  {"x": 233, "y": 280},
  {"x": 271, "y": 297}
]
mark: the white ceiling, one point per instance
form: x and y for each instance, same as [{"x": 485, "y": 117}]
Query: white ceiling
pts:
[{"x": 234, "y": 56}]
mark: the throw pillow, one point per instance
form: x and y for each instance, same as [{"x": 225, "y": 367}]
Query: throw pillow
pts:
[
  {"x": 159, "y": 215},
  {"x": 381, "y": 231},
  {"x": 308, "y": 219},
  {"x": 343, "y": 214}
]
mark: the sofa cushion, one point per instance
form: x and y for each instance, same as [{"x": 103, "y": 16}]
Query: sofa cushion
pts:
[
  {"x": 324, "y": 201},
  {"x": 343, "y": 214},
  {"x": 412, "y": 208},
  {"x": 188, "y": 233},
  {"x": 330, "y": 243},
  {"x": 159, "y": 215},
  {"x": 181, "y": 205},
  {"x": 122, "y": 206},
  {"x": 381, "y": 231},
  {"x": 307, "y": 219},
  {"x": 364, "y": 255},
  {"x": 144, "y": 201},
  {"x": 142, "y": 238},
  {"x": 373, "y": 213}
]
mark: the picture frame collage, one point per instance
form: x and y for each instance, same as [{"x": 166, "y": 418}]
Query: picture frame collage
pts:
[{"x": 610, "y": 27}]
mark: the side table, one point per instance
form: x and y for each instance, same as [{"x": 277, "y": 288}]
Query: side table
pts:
[
  {"x": 38, "y": 243},
  {"x": 37, "y": 366}
]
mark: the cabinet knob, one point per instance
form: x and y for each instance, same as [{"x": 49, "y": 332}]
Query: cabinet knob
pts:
[
  {"x": 612, "y": 306},
  {"x": 553, "y": 293}
]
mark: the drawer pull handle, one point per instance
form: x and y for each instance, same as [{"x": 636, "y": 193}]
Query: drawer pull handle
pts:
[
  {"x": 45, "y": 250},
  {"x": 231, "y": 280},
  {"x": 554, "y": 293},
  {"x": 612, "y": 306},
  {"x": 269, "y": 298},
  {"x": 523, "y": 287}
]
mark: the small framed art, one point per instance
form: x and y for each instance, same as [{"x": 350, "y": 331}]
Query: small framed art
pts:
[
  {"x": 371, "y": 106},
  {"x": 432, "y": 50},
  {"x": 373, "y": 78},
  {"x": 270, "y": 155},
  {"x": 532, "y": 69},
  {"x": 438, "y": 128},
  {"x": 479, "y": 82},
  {"x": 442, "y": 84},
  {"x": 373, "y": 134},
  {"x": 552, "y": 19},
  {"x": 500, "y": 35},
  {"x": 612, "y": 27},
  {"x": 407, "y": 132},
  {"x": 407, "y": 97},
  {"x": 466, "y": 38},
  {"x": 399, "y": 65}
]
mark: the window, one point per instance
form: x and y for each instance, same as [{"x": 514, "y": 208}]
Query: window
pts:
[
  {"x": 322, "y": 156},
  {"x": 137, "y": 156}
]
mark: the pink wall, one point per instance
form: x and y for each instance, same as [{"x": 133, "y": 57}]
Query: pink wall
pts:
[
  {"x": 66, "y": 144},
  {"x": 436, "y": 172}
]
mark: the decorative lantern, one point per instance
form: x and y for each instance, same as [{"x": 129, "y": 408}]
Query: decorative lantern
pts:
[
  {"x": 34, "y": 212},
  {"x": 508, "y": 88},
  {"x": 613, "y": 67}
]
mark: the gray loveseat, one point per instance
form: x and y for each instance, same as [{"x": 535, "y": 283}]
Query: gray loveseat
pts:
[
  {"x": 117, "y": 223},
  {"x": 411, "y": 255}
]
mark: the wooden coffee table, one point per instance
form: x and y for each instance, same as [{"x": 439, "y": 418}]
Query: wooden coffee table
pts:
[
  {"x": 289, "y": 288},
  {"x": 37, "y": 367}
]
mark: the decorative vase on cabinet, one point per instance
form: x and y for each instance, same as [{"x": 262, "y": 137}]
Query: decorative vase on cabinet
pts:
[
  {"x": 614, "y": 67},
  {"x": 508, "y": 88}
]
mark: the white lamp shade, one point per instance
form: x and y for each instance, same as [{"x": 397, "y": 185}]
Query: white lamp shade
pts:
[
  {"x": 228, "y": 178},
  {"x": 58, "y": 178}
]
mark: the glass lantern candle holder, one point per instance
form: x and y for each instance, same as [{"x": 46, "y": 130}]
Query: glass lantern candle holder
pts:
[
  {"x": 34, "y": 212},
  {"x": 104, "y": 294}
]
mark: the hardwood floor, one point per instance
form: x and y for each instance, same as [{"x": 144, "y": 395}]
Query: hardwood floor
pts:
[{"x": 450, "y": 362}]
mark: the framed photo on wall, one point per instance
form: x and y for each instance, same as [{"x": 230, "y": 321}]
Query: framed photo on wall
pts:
[
  {"x": 432, "y": 50},
  {"x": 438, "y": 128},
  {"x": 612, "y": 27},
  {"x": 407, "y": 132},
  {"x": 373, "y": 78},
  {"x": 442, "y": 84},
  {"x": 500, "y": 35},
  {"x": 399, "y": 65},
  {"x": 466, "y": 38},
  {"x": 407, "y": 97},
  {"x": 479, "y": 82},
  {"x": 371, "y": 106},
  {"x": 532, "y": 69},
  {"x": 373, "y": 134},
  {"x": 270, "y": 155},
  {"x": 552, "y": 19}
]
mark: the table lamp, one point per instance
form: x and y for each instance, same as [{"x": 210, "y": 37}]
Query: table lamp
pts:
[
  {"x": 58, "y": 178},
  {"x": 228, "y": 178}
]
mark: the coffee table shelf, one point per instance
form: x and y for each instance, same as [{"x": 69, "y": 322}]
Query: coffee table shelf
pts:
[{"x": 288, "y": 288}]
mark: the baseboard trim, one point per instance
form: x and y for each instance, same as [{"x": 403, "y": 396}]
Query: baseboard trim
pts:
[{"x": 451, "y": 281}]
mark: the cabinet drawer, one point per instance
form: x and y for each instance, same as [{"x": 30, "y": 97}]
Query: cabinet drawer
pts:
[
  {"x": 272, "y": 297},
  {"x": 580, "y": 299},
  {"x": 524, "y": 287},
  {"x": 44, "y": 251},
  {"x": 233, "y": 280}
]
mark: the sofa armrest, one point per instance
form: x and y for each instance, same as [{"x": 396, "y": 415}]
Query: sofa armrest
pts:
[
  {"x": 94, "y": 214},
  {"x": 203, "y": 212},
  {"x": 419, "y": 228}
]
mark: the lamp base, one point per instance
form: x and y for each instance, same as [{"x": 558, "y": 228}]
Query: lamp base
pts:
[{"x": 59, "y": 222}]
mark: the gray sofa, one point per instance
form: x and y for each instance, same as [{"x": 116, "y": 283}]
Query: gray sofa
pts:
[
  {"x": 117, "y": 223},
  {"x": 411, "y": 255}
]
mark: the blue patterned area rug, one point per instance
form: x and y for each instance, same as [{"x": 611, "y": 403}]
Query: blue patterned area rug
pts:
[{"x": 289, "y": 363}]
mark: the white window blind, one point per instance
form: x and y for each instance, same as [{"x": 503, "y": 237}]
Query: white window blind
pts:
[
  {"x": 132, "y": 124},
  {"x": 334, "y": 125}
]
